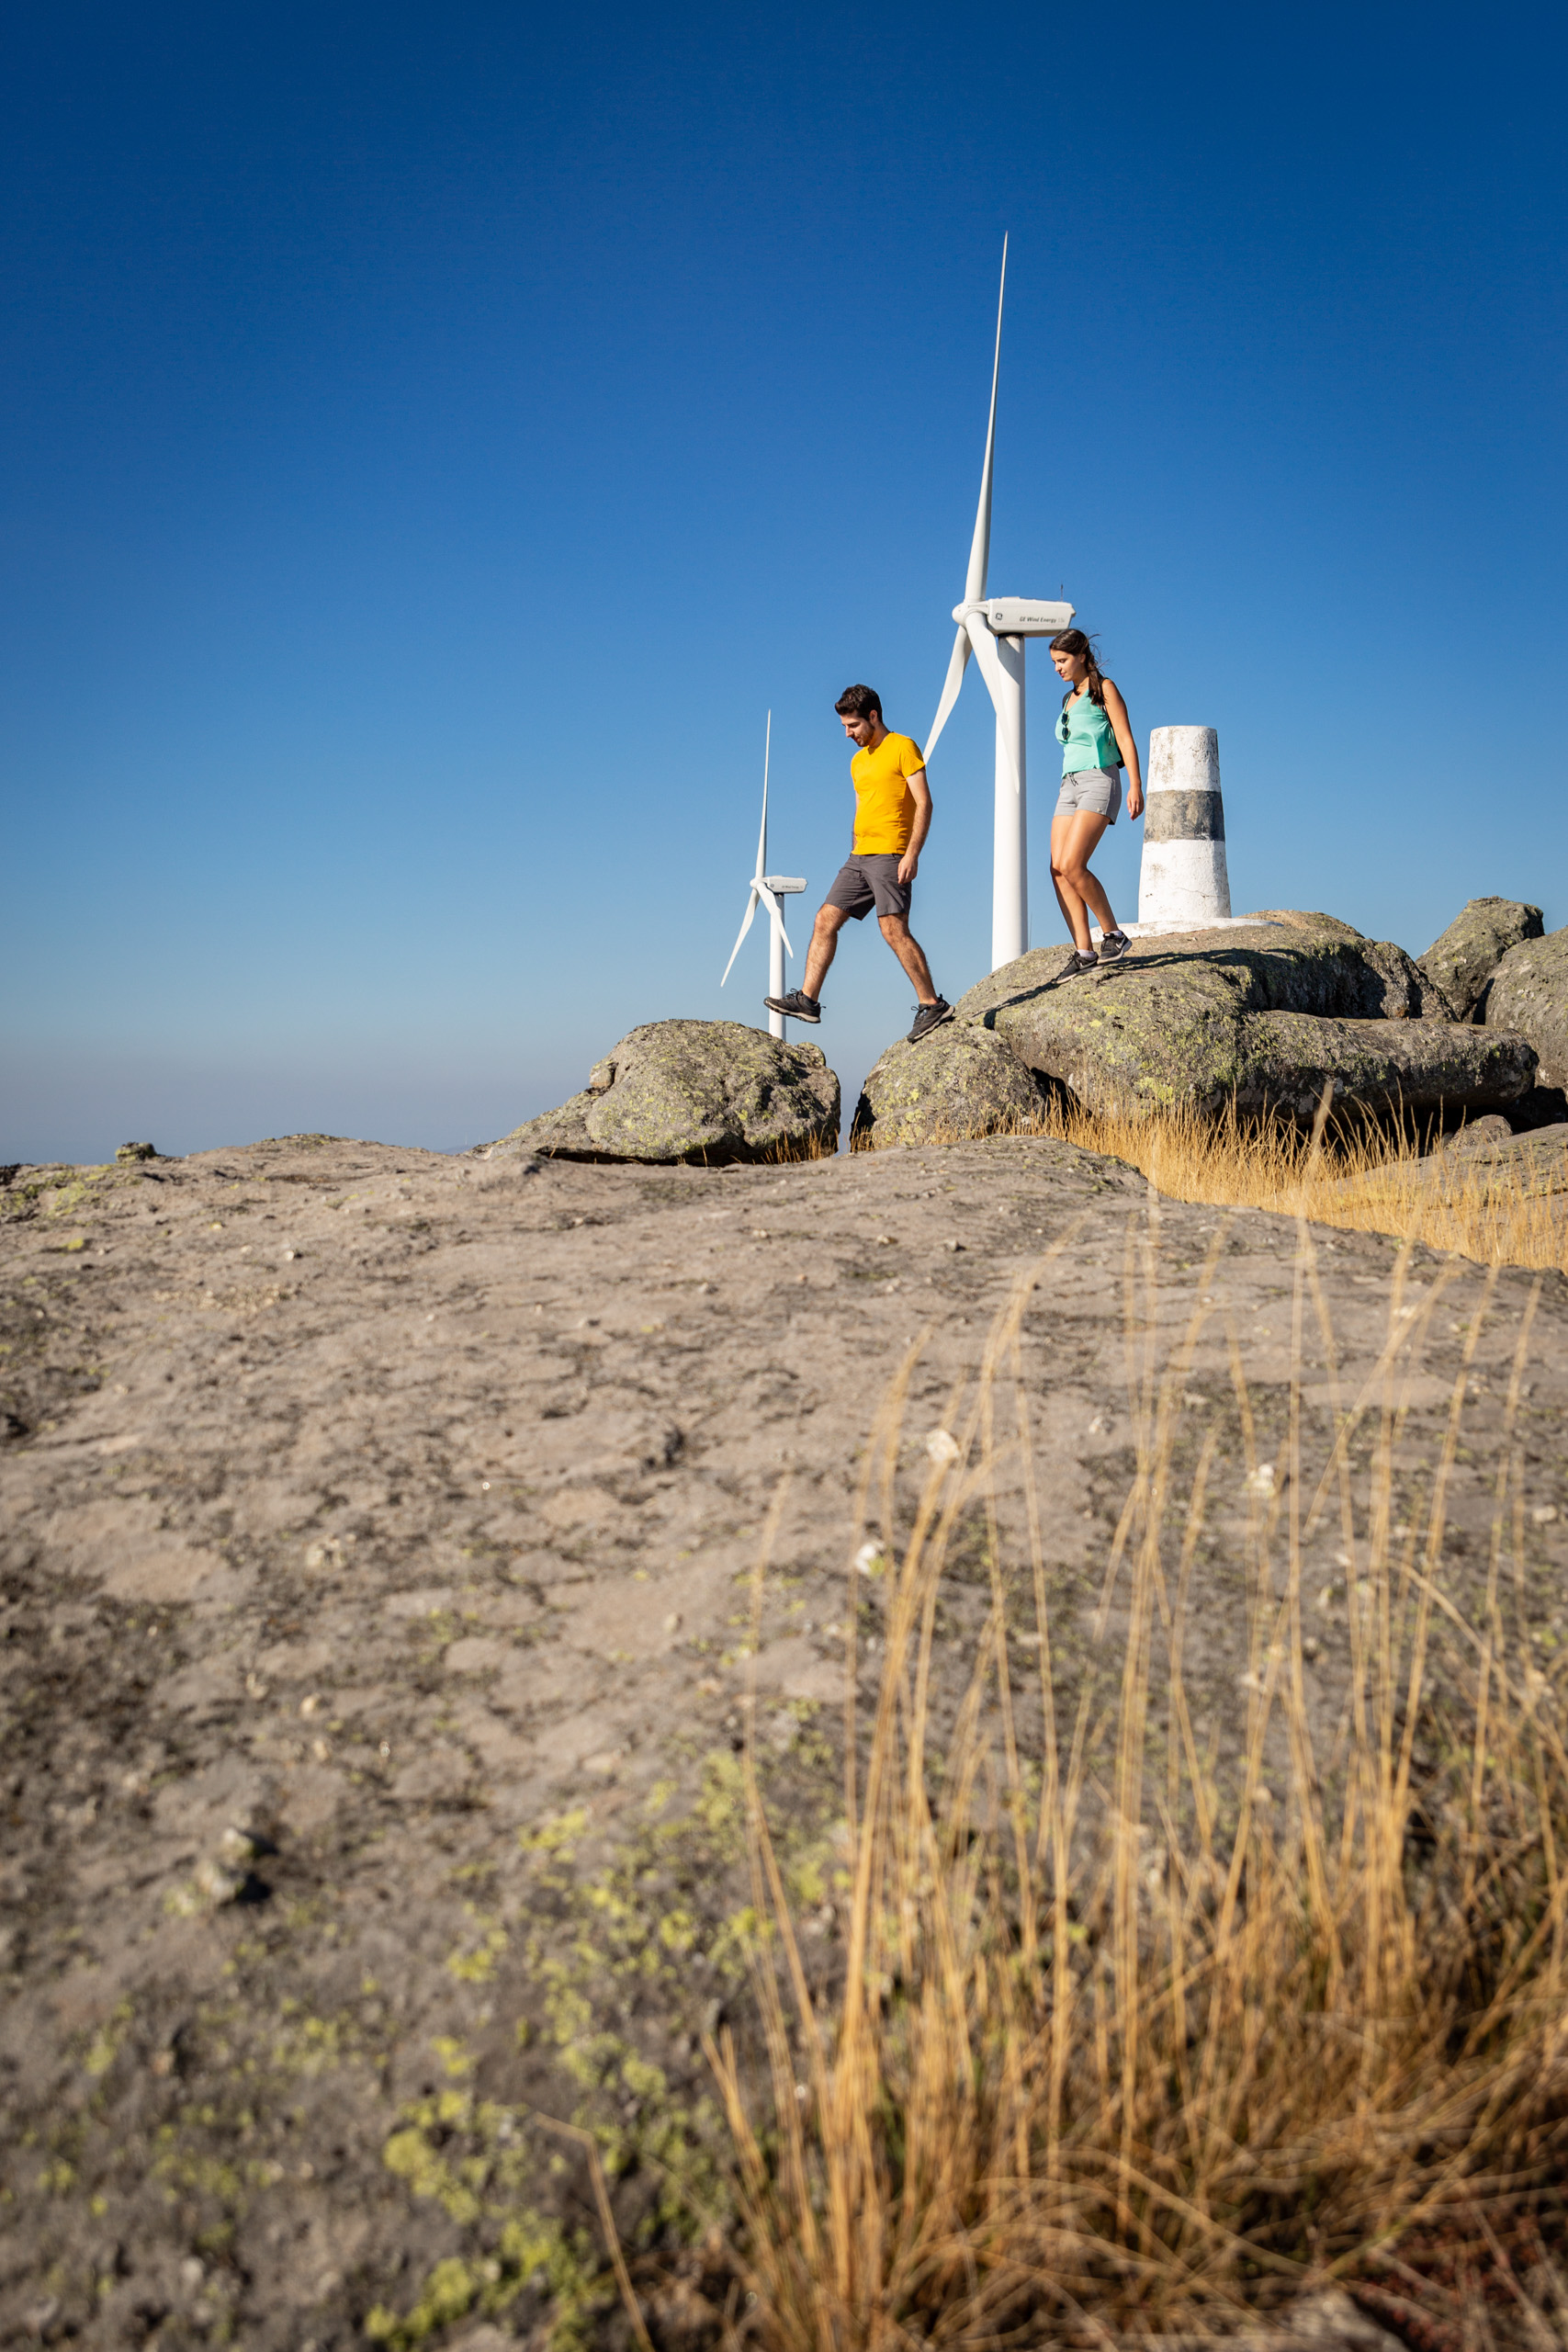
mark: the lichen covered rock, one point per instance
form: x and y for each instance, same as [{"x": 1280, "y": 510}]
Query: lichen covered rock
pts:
[
  {"x": 1262, "y": 1017},
  {"x": 1529, "y": 991},
  {"x": 709, "y": 1092},
  {"x": 958, "y": 1083},
  {"x": 1463, "y": 961},
  {"x": 1381, "y": 1067},
  {"x": 1168, "y": 1027}
]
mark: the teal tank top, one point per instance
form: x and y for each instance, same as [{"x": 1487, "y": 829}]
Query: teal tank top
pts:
[{"x": 1087, "y": 738}]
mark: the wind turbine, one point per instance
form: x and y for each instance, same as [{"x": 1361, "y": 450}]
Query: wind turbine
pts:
[
  {"x": 767, "y": 889},
  {"x": 994, "y": 629}
]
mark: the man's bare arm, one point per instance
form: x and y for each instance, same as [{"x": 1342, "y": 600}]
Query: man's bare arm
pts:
[{"x": 909, "y": 864}]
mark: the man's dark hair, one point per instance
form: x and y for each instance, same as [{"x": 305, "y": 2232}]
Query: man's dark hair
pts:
[{"x": 858, "y": 702}]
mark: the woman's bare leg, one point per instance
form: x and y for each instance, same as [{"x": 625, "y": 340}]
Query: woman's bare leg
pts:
[{"x": 1073, "y": 840}]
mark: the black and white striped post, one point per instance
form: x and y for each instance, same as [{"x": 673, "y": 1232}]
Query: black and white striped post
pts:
[{"x": 1182, "y": 882}]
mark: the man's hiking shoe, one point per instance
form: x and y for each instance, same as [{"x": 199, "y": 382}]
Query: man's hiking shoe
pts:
[
  {"x": 1113, "y": 945},
  {"x": 795, "y": 1006},
  {"x": 1078, "y": 962},
  {"x": 929, "y": 1017}
]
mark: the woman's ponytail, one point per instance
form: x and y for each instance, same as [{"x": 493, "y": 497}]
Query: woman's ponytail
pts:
[{"x": 1083, "y": 649}]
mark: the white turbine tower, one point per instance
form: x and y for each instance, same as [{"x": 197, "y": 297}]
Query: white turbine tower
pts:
[
  {"x": 994, "y": 629},
  {"x": 768, "y": 888}
]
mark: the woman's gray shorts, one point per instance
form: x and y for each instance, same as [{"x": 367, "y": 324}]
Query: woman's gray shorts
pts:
[{"x": 1098, "y": 790}]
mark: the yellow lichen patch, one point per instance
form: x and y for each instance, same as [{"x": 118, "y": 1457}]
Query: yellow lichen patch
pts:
[
  {"x": 477, "y": 1966},
  {"x": 104, "y": 2048},
  {"x": 558, "y": 1837}
]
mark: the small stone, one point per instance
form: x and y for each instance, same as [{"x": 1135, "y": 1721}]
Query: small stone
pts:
[
  {"x": 942, "y": 1447},
  {"x": 1544, "y": 1513},
  {"x": 1261, "y": 1480},
  {"x": 136, "y": 1151},
  {"x": 672, "y": 1623}
]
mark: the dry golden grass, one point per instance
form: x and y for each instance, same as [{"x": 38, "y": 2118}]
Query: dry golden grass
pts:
[
  {"x": 1119, "y": 2050},
  {"x": 1371, "y": 1181}
]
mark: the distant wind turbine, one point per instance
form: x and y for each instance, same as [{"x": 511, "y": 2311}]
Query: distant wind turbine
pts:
[
  {"x": 767, "y": 889},
  {"x": 994, "y": 629}
]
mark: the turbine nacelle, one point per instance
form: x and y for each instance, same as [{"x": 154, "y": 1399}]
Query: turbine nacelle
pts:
[
  {"x": 1019, "y": 617},
  {"x": 1015, "y": 616}
]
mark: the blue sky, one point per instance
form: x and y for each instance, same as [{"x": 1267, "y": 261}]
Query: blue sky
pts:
[{"x": 430, "y": 440}]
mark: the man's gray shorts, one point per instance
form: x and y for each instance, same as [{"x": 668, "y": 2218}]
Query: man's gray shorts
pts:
[
  {"x": 1097, "y": 789},
  {"x": 866, "y": 882}
]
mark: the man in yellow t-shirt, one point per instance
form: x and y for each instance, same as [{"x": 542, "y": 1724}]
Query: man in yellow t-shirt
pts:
[{"x": 893, "y": 816}]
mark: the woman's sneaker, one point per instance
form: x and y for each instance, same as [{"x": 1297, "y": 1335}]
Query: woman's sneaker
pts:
[
  {"x": 1078, "y": 962},
  {"x": 795, "y": 1006},
  {"x": 1113, "y": 945},
  {"x": 929, "y": 1017}
]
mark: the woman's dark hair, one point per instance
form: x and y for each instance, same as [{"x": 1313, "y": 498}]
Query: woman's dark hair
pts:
[{"x": 1085, "y": 650}]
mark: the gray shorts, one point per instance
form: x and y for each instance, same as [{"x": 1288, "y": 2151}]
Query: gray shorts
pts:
[
  {"x": 862, "y": 882},
  {"x": 1098, "y": 790}
]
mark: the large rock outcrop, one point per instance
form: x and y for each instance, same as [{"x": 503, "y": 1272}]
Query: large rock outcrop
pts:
[
  {"x": 1427, "y": 1068},
  {"x": 1529, "y": 992},
  {"x": 960, "y": 1081},
  {"x": 1463, "y": 961},
  {"x": 1262, "y": 1017},
  {"x": 707, "y": 1092}
]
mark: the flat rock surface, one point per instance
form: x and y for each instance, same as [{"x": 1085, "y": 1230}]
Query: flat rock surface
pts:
[{"x": 377, "y": 1538}]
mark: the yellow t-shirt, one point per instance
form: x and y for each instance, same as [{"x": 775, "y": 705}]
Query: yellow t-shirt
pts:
[{"x": 884, "y": 805}]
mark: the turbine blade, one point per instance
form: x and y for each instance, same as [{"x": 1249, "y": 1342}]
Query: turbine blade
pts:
[
  {"x": 954, "y": 679},
  {"x": 990, "y": 662},
  {"x": 980, "y": 546},
  {"x": 762, "y": 836},
  {"x": 750, "y": 911},
  {"x": 776, "y": 912}
]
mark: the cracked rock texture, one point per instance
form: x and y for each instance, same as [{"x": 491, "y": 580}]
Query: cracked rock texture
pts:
[
  {"x": 1464, "y": 959},
  {"x": 709, "y": 1092}
]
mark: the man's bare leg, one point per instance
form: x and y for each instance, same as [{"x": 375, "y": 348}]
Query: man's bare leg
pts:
[
  {"x": 910, "y": 954},
  {"x": 824, "y": 947}
]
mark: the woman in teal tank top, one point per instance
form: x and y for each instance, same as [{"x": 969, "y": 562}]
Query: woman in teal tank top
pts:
[{"x": 1096, "y": 737}]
